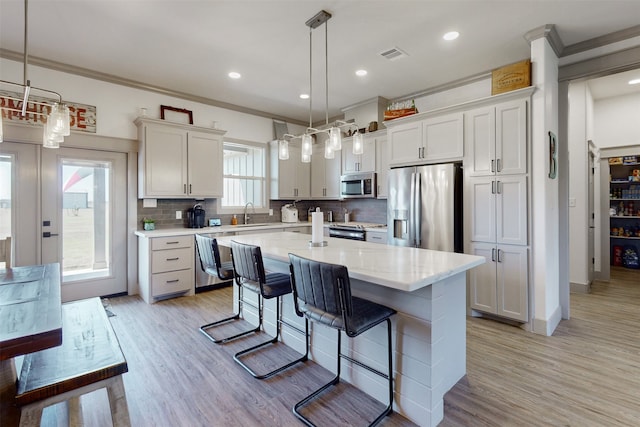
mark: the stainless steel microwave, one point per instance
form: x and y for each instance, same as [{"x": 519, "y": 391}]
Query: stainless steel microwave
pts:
[{"x": 358, "y": 185}]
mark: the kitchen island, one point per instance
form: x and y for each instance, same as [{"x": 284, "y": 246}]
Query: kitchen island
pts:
[{"x": 427, "y": 288}]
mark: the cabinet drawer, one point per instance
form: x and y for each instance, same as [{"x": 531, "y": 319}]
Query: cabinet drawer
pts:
[
  {"x": 376, "y": 237},
  {"x": 171, "y": 282},
  {"x": 170, "y": 260},
  {"x": 159, "y": 243}
]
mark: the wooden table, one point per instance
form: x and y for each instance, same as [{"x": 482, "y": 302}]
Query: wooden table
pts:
[{"x": 30, "y": 320}]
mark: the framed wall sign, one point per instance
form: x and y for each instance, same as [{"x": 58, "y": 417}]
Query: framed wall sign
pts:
[{"x": 176, "y": 115}]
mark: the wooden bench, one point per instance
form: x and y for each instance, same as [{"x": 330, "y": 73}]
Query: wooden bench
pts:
[{"x": 89, "y": 358}]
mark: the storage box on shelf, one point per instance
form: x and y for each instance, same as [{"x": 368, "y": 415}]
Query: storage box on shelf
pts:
[{"x": 624, "y": 211}]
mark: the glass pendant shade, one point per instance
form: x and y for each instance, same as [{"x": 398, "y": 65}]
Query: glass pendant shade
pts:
[
  {"x": 306, "y": 158},
  {"x": 58, "y": 120},
  {"x": 328, "y": 151},
  {"x": 51, "y": 140},
  {"x": 307, "y": 141},
  {"x": 335, "y": 138},
  {"x": 358, "y": 143},
  {"x": 283, "y": 149}
]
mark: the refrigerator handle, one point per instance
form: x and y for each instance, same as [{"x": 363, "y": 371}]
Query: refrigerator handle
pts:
[
  {"x": 412, "y": 209},
  {"x": 418, "y": 210}
]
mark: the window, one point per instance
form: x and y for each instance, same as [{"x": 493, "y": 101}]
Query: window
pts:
[{"x": 245, "y": 176}]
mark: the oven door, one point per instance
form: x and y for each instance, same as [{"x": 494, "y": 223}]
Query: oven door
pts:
[{"x": 346, "y": 234}]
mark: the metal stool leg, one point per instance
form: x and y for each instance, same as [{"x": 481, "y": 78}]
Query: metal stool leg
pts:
[{"x": 279, "y": 322}]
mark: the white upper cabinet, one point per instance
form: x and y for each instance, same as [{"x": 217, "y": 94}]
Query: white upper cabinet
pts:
[
  {"x": 431, "y": 140},
  {"x": 496, "y": 139},
  {"x": 382, "y": 167},
  {"x": 290, "y": 179},
  {"x": 365, "y": 162},
  {"x": 178, "y": 161},
  {"x": 325, "y": 174}
]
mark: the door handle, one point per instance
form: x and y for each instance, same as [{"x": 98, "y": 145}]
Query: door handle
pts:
[{"x": 47, "y": 234}]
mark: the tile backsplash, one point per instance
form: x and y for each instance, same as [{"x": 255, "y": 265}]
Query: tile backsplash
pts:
[{"x": 365, "y": 210}]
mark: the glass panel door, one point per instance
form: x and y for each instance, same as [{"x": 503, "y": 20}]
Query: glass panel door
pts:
[{"x": 84, "y": 220}]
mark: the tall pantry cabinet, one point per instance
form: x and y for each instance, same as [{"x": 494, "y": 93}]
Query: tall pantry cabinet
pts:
[{"x": 497, "y": 213}]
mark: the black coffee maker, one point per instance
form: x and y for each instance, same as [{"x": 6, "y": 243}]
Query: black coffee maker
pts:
[{"x": 195, "y": 217}]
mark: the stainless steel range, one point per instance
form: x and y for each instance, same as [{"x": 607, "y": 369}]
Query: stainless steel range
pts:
[{"x": 351, "y": 230}]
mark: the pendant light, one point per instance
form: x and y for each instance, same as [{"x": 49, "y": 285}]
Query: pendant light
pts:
[
  {"x": 328, "y": 150},
  {"x": 57, "y": 120},
  {"x": 283, "y": 149},
  {"x": 358, "y": 143}
]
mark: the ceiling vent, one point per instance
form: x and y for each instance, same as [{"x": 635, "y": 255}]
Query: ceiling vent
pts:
[{"x": 393, "y": 53}]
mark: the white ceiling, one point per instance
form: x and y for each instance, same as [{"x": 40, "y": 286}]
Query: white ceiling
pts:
[{"x": 190, "y": 46}]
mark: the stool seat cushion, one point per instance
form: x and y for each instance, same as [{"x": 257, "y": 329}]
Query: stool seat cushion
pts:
[
  {"x": 365, "y": 315},
  {"x": 225, "y": 272},
  {"x": 276, "y": 284}
]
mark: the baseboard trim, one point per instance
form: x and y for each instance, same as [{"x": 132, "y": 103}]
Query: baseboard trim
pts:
[
  {"x": 547, "y": 326},
  {"x": 580, "y": 288}
]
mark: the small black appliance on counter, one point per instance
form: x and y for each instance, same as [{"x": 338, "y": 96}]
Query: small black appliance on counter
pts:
[{"x": 195, "y": 217}]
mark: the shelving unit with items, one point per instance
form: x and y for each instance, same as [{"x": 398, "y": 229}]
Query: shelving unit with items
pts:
[{"x": 624, "y": 211}]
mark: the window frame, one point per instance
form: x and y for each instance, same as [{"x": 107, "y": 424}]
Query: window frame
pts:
[{"x": 266, "y": 202}]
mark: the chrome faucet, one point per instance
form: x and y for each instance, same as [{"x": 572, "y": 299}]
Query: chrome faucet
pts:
[{"x": 246, "y": 215}]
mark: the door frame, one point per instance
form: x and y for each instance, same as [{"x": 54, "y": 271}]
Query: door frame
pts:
[{"x": 27, "y": 134}]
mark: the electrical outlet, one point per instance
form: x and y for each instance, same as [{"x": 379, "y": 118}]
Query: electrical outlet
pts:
[
  {"x": 178, "y": 214},
  {"x": 270, "y": 212}
]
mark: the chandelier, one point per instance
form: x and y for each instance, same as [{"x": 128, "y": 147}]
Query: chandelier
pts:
[
  {"x": 57, "y": 118},
  {"x": 334, "y": 141}
]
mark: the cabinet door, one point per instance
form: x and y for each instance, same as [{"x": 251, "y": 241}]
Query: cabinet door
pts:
[
  {"x": 382, "y": 166},
  {"x": 511, "y": 137},
  {"x": 359, "y": 162},
  {"x": 511, "y": 209},
  {"x": 332, "y": 170},
  {"x": 318, "y": 176},
  {"x": 482, "y": 279},
  {"x": 482, "y": 205},
  {"x": 205, "y": 175},
  {"x": 164, "y": 172},
  {"x": 405, "y": 143},
  {"x": 302, "y": 178},
  {"x": 349, "y": 160},
  {"x": 512, "y": 289},
  {"x": 479, "y": 136},
  {"x": 443, "y": 137},
  {"x": 283, "y": 181}
]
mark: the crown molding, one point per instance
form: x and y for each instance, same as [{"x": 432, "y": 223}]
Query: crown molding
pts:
[
  {"x": 607, "y": 39},
  {"x": 110, "y": 78},
  {"x": 548, "y": 32}
]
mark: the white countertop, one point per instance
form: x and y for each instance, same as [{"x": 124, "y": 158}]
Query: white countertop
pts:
[
  {"x": 402, "y": 268},
  {"x": 172, "y": 232}
]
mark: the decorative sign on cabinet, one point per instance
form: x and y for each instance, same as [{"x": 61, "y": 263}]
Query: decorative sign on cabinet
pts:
[{"x": 178, "y": 161}]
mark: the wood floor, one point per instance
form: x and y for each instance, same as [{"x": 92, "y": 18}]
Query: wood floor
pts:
[{"x": 586, "y": 374}]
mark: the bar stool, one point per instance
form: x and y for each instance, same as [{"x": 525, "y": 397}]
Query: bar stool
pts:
[
  {"x": 209, "y": 255},
  {"x": 250, "y": 274},
  {"x": 322, "y": 294}
]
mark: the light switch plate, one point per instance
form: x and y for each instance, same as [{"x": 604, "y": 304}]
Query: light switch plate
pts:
[
  {"x": 178, "y": 214},
  {"x": 572, "y": 202}
]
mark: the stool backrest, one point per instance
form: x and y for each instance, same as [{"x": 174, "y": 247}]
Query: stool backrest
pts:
[
  {"x": 247, "y": 262},
  {"x": 209, "y": 254},
  {"x": 321, "y": 291},
  {"x": 5, "y": 252}
]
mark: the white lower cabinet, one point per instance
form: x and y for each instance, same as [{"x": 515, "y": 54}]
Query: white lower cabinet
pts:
[
  {"x": 499, "y": 286},
  {"x": 165, "y": 267},
  {"x": 376, "y": 237}
]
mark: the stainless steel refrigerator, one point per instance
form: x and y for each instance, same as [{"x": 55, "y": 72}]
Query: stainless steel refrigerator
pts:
[{"x": 424, "y": 207}]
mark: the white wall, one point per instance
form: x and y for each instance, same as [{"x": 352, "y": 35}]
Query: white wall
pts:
[
  {"x": 117, "y": 106},
  {"x": 616, "y": 121},
  {"x": 580, "y": 111}
]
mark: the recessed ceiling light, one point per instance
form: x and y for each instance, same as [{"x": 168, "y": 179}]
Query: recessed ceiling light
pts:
[
  {"x": 361, "y": 73},
  {"x": 451, "y": 35},
  {"x": 634, "y": 81},
  {"x": 304, "y": 96},
  {"x": 234, "y": 75}
]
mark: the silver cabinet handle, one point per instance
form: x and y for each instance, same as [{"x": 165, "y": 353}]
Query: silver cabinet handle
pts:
[
  {"x": 47, "y": 234},
  {"x": 493, "y": 165},
  {"x": 190, "y": 189},
  {"x": 493, "y": 254},
  {"x": 499, "y": 165},
  {"x": 499, "y": 258},
  {"x": 173, "y": 281},
  {"x": 499, "y": 187},
  {"x": 184, "y": 188},
  {"x": 493, "y": 187},
  {"x": 173, "y": 259}
]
